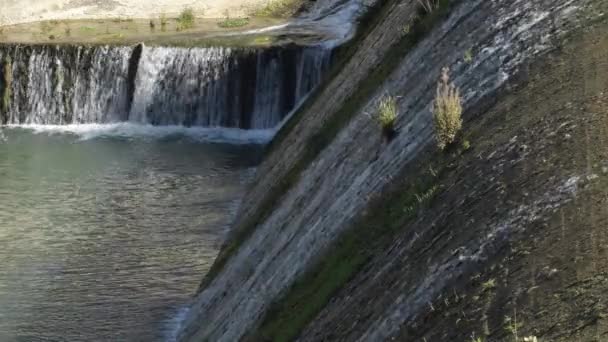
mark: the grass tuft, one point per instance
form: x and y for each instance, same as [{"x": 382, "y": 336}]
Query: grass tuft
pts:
[
  {"x": 466, "y": 145},
  {"x": 468, "y": 56},
  {"x": 387, "y": 115},
  {"x": 447, "y": 111},
  {"x": 277, "y": 9},
  {"x": 186, "y": 19},
  {"x": 233, "y": 22},
  {"x": 489, "y": 285}
]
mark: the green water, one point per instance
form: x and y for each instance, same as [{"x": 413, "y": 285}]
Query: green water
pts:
[{"x": 106, "y": 239}]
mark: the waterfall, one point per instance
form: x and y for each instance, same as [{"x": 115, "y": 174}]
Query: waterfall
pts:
[{"x": 208, "y": 87}]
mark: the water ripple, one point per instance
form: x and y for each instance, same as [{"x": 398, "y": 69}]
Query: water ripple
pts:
[{"x": 105, "y": 238}]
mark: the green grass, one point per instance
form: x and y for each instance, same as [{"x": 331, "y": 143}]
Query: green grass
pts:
[
  {"x": 186, "y": 19},
  {"x": 233, "y": 22},
  {"x": 489, "y": 285},
  {"x": 387, "y": 114},
  {"x": 317, "y": 142},
  {"x": 277, "y": 9},
  {"x": 468, "y": 56}
]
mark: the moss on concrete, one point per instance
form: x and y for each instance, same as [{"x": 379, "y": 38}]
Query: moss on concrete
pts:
[{"x": 386, "y": 216}]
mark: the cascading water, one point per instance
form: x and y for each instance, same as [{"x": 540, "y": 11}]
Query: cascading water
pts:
[
  {"x": 223, "y": 86},
  {"x": 209, "y": 87},
  {"x": 52, "y": 85}
]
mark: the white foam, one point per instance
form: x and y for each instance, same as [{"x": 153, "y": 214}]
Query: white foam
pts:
[
  {"x": 132, "y": 130},
  {"x": 253, "y": 31}
]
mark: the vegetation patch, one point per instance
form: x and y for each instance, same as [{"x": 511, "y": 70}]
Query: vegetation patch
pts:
[
  {"x": 387, "y": 116},
  {"x": 233, "y": 22},
  {"x": 468, "y": 56},
  {"x": 447, "y": 111},
  {"x": 277, "y": 9},
  {"x": 186, "y": 19}
]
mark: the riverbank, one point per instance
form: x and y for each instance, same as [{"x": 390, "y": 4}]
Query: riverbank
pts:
[
  {"x": 161, "y": 32},
  {"x": 28, "y": 11}
]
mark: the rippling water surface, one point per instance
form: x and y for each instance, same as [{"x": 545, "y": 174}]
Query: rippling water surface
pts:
[{"x": 105, "y": 239}]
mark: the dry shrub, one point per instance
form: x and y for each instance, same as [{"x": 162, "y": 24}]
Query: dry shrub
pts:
[{"x": 447, "y": 111}]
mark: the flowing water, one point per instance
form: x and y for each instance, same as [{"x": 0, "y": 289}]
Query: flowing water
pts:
[
  {"x": 207, "y": 87},
  {"x": 105, "y": 232}
]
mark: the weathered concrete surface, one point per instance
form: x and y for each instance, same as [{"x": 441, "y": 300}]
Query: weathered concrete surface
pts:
[
  {"x": 335, "y": 188},
  {"x": 518, "y": 229}
]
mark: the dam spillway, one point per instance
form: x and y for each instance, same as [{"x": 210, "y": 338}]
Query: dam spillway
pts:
[{"x": 247, "y": 88}]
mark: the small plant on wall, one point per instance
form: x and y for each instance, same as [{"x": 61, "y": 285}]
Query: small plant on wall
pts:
[
  {"x": 447, "y": 111},
  {"x": 387, "y": 116}
]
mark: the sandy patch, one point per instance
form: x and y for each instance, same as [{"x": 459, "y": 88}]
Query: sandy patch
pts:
[{"x": 22, "y": 11}]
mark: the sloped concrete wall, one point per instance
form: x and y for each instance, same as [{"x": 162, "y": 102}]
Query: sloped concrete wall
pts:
[{"x": 337, "y": 185}]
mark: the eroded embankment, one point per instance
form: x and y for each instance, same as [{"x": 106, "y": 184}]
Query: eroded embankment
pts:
[{"x": 328, "y": 195}]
